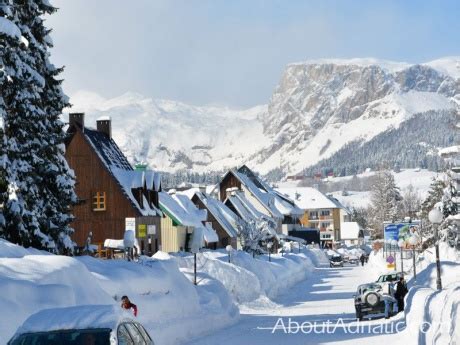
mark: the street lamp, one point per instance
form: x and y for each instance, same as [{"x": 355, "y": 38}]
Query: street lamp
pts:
[
  {"x": 413, "y": 240},
  {"x": 401, "y": 245},
  {"x": 269, "y": 247},
  {"x": 435, "y": 216},
  {"x": 229, "y": 249}
]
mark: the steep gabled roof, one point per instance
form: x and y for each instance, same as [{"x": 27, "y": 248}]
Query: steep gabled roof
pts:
[
  {"x": 183, "y": 212},
  {"x": 107, "y": 150},
  {"x": 277, "y": 206},
  {"x": 224, "y": 216},
  {"x": 117, "y": 165}
]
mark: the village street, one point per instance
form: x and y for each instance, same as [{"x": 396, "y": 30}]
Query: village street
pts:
[{"x": 327, "y": 295}]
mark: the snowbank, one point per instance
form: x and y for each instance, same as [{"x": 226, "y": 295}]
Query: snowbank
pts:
[
  {"x": 37, "y": 282},
  {"x": 170, "y": 307},
  {"x": 247, "y": 278}
]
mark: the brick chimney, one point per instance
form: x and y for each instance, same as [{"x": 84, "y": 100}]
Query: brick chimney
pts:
[
  {"x": 104, "y": 125},
  {"x": 77, "y": 119}
]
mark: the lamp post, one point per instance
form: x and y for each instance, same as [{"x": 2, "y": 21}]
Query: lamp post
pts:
[
  {"x": 269, "y": 247},
  {"x": 435, "y": 216},
  {"x": 401, "y": 245},
  {"x": 394, "y": 243},
  {"x": 413, "y": 240},
  {"x": 229, "y": 249}
]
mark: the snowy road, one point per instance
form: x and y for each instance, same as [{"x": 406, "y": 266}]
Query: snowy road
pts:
[{"x": 325, "y": 296}]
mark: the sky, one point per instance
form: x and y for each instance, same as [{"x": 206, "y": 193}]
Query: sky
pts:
[{"x": 233, "y": 52}]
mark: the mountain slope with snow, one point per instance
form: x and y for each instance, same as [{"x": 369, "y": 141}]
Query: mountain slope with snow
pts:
[{"x": 318, "y": 108}]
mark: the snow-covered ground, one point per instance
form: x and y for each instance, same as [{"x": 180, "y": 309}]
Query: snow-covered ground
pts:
[
  {"x": 171, "y": 308},
  {"x": 327, "y": 296},
  {"x": 247, "y": 301},
  {"x": 248, "y": 279}
]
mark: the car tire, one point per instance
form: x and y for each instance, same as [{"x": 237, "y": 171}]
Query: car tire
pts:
[{"x": 372, "y": 298}]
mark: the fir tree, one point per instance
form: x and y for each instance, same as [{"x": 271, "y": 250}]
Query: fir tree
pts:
[
  {"x": 385, "y": 201},
  {"x": 39, "y": 182},
  {"x": 57, "y": 180}
]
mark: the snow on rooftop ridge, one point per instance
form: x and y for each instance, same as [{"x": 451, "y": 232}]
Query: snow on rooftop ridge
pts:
[
  {"x": 392, "y": 66},
  {"x": 104, "y": 118}
]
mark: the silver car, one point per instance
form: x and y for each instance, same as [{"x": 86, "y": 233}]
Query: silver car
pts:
[{"x": 82, "y": 325}]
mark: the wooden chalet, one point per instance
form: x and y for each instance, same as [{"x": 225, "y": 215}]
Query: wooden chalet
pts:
[
  {"x": 112, "y": 196},
  {"x": 263, "y": 197},
  {"x": 223, "y": 220}
]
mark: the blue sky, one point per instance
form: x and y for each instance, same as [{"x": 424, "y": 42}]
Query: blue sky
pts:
[{"x": 233, "y": 52}]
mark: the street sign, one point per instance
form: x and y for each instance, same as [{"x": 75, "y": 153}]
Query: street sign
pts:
[
  {"x": 130, "y": 224},
  {"x": 390, "y": 259}
]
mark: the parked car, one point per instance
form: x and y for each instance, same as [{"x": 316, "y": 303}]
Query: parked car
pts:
[
  {"x": 371, "y": 300},
  {"x": 353, "y": 260},
  {"x": 336, "y": 261},
  {"x": 82, "y": 325}
]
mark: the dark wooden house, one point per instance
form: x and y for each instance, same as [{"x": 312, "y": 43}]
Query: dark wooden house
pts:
[
  {"x": 223, "y": 220},
  {"x": 112, "y": 195}
]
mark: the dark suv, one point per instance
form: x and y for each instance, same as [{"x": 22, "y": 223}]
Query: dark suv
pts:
[
  {"x": 371, "y": 300},
  {"x": 336, "y": 261}
]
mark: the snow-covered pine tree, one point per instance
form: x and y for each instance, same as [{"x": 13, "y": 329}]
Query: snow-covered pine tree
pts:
[
  {"x": 56, "y": 178},
  {"x": 18, "y": 149},
  {"x": 434, "y": 196},
  {"x": 29, "y": 102},
  {"x": 385, "y": 201},
  {"x": 252, "y": 233}
]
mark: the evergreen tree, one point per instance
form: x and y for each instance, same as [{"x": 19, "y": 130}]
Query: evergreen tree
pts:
[
  {"x": 56, "y": 179},
  {"x": 385, "y": 201},
  {"x": 39, "y": 183}
]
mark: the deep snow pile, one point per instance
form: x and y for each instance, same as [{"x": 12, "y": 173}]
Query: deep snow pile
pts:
[
  {"x": 170, "y": 307},
  {"x": 247, "y": 278},
  {"x": 431, "y": 316},
  {"x": 34, "y": 282}
]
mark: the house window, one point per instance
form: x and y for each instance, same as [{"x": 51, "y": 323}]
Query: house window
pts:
[
  {"x": 313, "y": 215},
  {"x": 325, "y": 225},
  {"x": 99, "y": 201},
  {"x": 325, "y": 213}
]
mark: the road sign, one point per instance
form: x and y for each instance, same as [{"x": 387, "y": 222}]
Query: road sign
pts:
[{"x": 390, "y": 259}]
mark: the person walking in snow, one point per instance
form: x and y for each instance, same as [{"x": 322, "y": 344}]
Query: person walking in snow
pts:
[
  {"x": 362, "y": 258},
  {"x": 126, "y": 304},
  {"x": 401, "y": 291}
]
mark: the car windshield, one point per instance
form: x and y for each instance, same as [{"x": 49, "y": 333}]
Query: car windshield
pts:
[
  {"x": 336, "y": 258},
  {"x": 68, "y": 337},
  {"x": 388, "y": 278}
]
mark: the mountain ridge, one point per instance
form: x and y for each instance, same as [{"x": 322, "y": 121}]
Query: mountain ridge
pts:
[{"x": 318, "y": 107}]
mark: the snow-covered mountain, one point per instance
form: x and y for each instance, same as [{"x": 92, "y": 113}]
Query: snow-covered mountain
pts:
[{"x": 319, "y": 108}]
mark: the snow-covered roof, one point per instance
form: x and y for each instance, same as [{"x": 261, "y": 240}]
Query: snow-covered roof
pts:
[
  {"x": 451, "y": 150},
  {"x": 132, "y": 179},
  {"x": 277, "y": 206},
  {"x": 106, "y": 148},
  {"x": 184, "y": 212},
  {"x": 244, "y": 208},
  {"x": 349, "y": 231},
  {"x": 226, "y": 217},
  {"x": 79, "y": 317},
  {"x": 117, "y": 164},
  {"x": 308, "y": 198}
]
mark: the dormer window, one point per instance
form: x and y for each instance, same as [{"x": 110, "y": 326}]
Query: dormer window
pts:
[{"x": 99, "y": 201}]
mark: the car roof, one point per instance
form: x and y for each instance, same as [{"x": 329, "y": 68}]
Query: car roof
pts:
[{"x": 79, "y": 317}]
